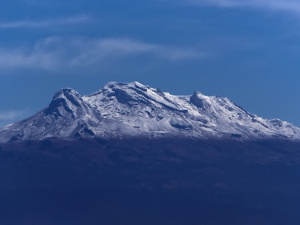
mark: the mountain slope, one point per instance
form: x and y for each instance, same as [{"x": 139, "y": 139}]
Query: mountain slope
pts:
[{"x": 131, "y": 109}]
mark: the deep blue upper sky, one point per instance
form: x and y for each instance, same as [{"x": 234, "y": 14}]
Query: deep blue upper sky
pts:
[{"x": 245, "y": 50}]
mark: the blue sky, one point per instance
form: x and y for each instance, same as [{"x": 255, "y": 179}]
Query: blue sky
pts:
[{"x": 248, "y": 51}]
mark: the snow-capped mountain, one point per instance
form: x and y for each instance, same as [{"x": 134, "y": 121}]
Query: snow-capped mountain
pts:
[{"x": 121, "y": 110}]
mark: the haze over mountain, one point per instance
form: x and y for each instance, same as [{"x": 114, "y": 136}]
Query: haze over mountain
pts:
[{"x": 120, "y": 110}]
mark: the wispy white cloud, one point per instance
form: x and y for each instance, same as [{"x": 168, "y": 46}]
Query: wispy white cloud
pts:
[
  {"x": 279, "y": 5},
  {"x": 95, "y": 50},
  {"x": 48, "y": 3},
  {"x": 55, "y": 53},
  {"x": 37, "y": 2},
  {"x": 45, "y": 23},
  {"x": 11, "y": 116}
]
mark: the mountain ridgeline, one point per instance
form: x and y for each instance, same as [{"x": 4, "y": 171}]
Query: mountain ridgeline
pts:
[
  {"x": 121, "y": 110},
  {"x": 132, "y": 154}
]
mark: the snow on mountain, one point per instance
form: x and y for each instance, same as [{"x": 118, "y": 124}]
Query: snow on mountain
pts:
[{"x": 120, "y": 110}]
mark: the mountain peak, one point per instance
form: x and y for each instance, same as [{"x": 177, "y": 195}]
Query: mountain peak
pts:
[
  {"x": 115, "y": 84},
  {"x": 67, "y": 100},
  {"x": 67, "y": 93}
]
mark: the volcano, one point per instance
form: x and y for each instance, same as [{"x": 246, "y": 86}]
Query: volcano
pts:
[{"x": 132, "y": 154}]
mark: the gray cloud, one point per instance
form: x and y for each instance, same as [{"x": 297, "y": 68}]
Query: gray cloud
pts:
[
  {"x": 45, "y": 23},
  {"x": 55, "y": 53},
  {"x": 279, "y": 5}
]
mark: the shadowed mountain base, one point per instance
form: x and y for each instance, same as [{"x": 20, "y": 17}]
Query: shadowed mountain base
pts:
[{"x": 142, "y": 181}]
